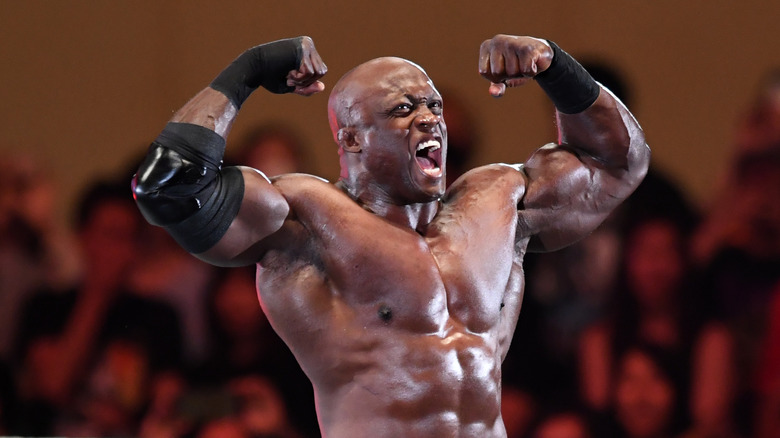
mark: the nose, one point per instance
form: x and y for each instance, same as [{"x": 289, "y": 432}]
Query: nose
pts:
[{"x": 427, "y": 120}]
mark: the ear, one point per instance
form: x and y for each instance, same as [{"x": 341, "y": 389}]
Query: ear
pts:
[{"x": 347, "y": 139}]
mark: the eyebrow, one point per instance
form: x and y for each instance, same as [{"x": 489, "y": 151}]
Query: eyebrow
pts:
[{"x": 417, "y": 100}]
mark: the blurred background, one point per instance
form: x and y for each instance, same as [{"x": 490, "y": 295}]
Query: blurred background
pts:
[{"x": 87, "y": 85}]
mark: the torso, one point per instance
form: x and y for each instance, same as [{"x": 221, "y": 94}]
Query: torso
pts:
[{"x": 402, "y": 333}]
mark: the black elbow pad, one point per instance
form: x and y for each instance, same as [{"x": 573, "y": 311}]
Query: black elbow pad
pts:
[
  {"x": 181, "y": 186},
  {"x": 169, "y": 188},
  {"x": 205, "y": 228},
  {"x": 176, "y": 175}
]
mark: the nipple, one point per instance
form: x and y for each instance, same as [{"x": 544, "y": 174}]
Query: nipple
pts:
[{"x": 384, "y": 312}]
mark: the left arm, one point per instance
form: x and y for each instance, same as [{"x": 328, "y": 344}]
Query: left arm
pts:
[{"x": 600, "y": 156}]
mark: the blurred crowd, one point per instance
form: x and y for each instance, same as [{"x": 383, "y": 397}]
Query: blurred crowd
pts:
[{"x": 664, "y": 322}]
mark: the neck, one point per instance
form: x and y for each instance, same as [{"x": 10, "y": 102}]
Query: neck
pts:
[{"x": 415, "y": 216}]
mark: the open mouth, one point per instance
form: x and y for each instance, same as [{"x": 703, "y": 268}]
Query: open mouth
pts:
[{"x": 428, "y": 157}]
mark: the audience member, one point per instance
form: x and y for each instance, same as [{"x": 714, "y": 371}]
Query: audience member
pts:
[
  {"x": 567, "y": 290},
  {"x": 86, "y": 355},
  {"x": 35, "y": 250},
  {"x": 658, "y": 302},
  {"x": 245, "y": 346},
  {"x": 172, "y": 275},
  {"x": 768, "y": 378},
  {"x": 272, "y": 148},
  {"x": 738, "y": 243},
  {"x": 758, "y": 128},
  {"x": 739, "y": 247},
  {"x": 167, "y": 273},
  {"x": 647, "y": 401}
]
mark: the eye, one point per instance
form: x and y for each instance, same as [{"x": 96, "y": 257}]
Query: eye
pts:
[
  {"x": 436, "y": 107},
  {"x": 402, "y": 109}
]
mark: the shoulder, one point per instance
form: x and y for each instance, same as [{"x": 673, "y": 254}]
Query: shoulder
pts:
[
  {"x": 490, "y": 171},
  {"x": 293, "y": 185},
  {"x": 311, "y": 196},
  {"x": 506, "y": 178}
]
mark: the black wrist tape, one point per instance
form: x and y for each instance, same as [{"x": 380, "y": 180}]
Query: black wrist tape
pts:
[
  {"x": 567, "y": 83},
  {"x": 182, "y": 187},
  {"x": 265, "y": 65}
]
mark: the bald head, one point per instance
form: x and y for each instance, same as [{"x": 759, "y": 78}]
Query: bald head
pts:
[
  {"x": 376, "y": 75},
  {"x": 386, "y": 117}
]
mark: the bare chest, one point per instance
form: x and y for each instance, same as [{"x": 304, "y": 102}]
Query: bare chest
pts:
[
  {"x": 458, "y": 270},
  {"x": 463, "y": 269}
]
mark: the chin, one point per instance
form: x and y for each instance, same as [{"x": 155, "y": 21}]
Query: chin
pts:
[
  {"x": 423, "y": 187},
  {"x": 434, "y": 192}
]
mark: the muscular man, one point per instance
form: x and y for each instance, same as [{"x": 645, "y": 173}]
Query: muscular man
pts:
[{"x": 398, "y": 298}]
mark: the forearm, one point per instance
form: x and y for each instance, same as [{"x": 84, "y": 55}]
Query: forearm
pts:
[
  {"x": 181, "y": 185},
  {"x": 590, "y": 119},
  {"x": 210, "y": 109},
  {"x": 266, "y": 65}
]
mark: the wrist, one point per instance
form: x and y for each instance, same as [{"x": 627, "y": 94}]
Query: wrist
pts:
[
  {"x": 266, "y": 65},
  {"x": 567, "y": 83}
]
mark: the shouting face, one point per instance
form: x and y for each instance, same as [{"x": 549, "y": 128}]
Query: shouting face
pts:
[{"x": 386, "y": 116}]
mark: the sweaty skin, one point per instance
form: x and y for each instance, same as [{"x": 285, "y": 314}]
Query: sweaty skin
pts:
[{"x": 399, "y": 299}]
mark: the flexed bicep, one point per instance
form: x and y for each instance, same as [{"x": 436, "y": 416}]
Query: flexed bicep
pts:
[
  {"x": 221, "y": 214},
  {"x": 262, "y": 212},
  {"x": 567, "y": 197},
  {"x": 182, "y": 187},
  {"x": 601, "y": 155}
]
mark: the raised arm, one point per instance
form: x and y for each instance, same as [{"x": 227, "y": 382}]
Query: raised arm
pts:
[
  {"x": 600, "y": 156},
  {"x": 218, "y": 213}
]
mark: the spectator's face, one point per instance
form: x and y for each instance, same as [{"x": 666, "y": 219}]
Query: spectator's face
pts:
[
  {"x": 109, "y": 238},
  {"x": 654, "y": 263},
  {"x": 644, "y": 397}
]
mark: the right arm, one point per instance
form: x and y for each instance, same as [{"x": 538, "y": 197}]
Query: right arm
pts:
[{"x": 220, "y": 214}]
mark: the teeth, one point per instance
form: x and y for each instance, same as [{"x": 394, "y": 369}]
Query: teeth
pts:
[{"x": 433, "y": 144}]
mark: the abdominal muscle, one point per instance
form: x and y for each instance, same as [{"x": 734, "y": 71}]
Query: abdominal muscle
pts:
[{"x": 409, "y": 384}]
